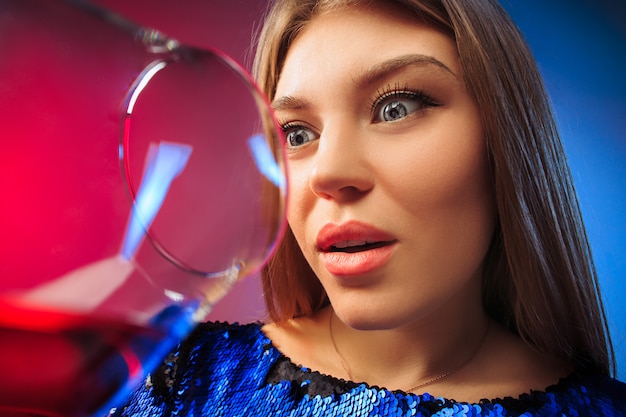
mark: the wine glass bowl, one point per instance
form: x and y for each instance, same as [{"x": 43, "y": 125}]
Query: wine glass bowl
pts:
[
  {"x": 191, "y": 111},
  {"x": 140, "y": 178}
]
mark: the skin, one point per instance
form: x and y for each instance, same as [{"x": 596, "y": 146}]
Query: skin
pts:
[{"x": 423, "y": 180}]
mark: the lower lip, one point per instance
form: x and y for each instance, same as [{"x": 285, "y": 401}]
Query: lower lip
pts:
[{"x": 357, "y": 263}]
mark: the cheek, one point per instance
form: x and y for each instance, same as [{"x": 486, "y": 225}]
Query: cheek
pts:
[
  {"x": 446, "y": 167},
  {"x": 468, "y": 205},
  {"x": 462, "y": 207},
  {"x": 444, "y": 185},
  {"x": 298, "y": 185},
  {"x": 299, "y": 203},
  {"x": 462, "y": 179}
]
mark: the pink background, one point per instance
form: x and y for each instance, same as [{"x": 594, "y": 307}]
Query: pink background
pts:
[
  {"x": 227, "y": 25},
  {"x": 64, "y": 77}
]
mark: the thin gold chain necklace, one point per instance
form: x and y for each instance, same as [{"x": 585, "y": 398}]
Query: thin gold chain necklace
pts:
[{"x": 421, "y": 384}]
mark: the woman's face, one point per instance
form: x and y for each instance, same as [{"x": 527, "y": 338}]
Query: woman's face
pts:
[{"x": 390, "y": 193}]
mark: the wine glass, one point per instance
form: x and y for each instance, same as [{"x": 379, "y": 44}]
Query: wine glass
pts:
[{"x": 139, "y": 180}]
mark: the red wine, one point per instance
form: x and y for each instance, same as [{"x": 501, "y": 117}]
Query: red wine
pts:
[{"x": 64, "y": 365}]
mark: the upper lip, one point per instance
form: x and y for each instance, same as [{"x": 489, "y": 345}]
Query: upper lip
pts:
[{"x": 349, "y": 235}]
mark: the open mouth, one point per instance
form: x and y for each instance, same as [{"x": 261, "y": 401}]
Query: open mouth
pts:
[
  {"x": 356, "y": 257},
  {"x": 353, "y": 243},
  {"x": 352, "y": 247}
]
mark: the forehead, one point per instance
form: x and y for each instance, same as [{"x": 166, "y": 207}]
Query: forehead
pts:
[{"x": 346, "y": 42}]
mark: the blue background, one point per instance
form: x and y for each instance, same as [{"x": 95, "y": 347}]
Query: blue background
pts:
[{"x": 580, "y": 47}]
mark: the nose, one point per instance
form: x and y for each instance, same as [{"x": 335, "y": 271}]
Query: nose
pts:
[{"x": 341, "y": 169}]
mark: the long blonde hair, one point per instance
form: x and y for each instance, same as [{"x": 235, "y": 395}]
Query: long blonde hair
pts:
[{"x": 539, "y": 278}]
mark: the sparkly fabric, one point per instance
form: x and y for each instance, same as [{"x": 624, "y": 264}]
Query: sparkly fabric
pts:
[{"x": 232, "y": 370}]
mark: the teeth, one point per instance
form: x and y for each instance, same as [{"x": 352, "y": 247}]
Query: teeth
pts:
[{"x": 349, "y": 243}]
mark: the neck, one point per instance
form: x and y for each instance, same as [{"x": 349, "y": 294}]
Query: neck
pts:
[{"x": 422, "y": 352}]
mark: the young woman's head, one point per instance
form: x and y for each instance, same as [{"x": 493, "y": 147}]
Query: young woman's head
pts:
[{"x": 420, "y": 131}]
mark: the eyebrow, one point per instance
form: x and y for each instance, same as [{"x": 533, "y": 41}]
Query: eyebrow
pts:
[
  {"x": 382, "y": 69},
  {"x": 371, "y": 75},
  {"x": 289, "y": 103}
]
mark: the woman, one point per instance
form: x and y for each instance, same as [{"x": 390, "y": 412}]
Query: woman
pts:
[{"x": 436, "y": 261}]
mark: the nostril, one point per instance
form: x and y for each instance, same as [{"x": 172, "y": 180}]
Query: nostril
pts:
[
  {"x": 342, "y": 193},
  {"x": 341, "y": 183}
]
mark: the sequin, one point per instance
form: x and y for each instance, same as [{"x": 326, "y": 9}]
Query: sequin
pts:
[{"x": 234, "y": 370}]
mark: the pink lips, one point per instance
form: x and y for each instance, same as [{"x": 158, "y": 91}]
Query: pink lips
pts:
[{"x": 353, "y": 248}]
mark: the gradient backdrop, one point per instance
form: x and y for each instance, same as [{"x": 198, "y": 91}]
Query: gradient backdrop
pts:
[{"x": 581, "y": 49}]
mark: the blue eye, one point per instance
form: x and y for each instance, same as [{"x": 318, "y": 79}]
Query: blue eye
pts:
[
  {"x": 396, "y": 105},
  {"x": 395, "y": 110},
  {"x": 297, "y": 136}
]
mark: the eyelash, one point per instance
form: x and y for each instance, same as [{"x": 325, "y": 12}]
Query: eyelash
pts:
[
  {"x": 397, "y": 92},
  {"x": 288, "y": 127},
  {"x": 401, "y": 92}
]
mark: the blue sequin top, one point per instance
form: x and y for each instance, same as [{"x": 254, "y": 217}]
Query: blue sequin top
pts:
[{"x": 233, "y": 370}]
